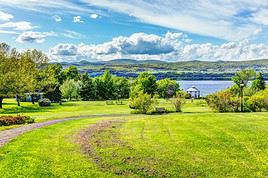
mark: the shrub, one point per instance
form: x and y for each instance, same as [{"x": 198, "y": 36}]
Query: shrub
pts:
[
  {"x": 178, "y": 102},
  {"x": 44, "y": 102},
  {"x": 143, "y": 103},
  {"x": 13, "y": 120},
  {"x": 223, "y": 101},
  {"x": 258, "y": 101}
]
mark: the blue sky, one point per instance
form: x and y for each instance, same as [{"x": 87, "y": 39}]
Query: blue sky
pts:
[{"x": 170, "y": 30}]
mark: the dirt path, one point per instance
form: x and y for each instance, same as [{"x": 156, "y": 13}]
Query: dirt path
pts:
[{"x": 7, "y": 135}]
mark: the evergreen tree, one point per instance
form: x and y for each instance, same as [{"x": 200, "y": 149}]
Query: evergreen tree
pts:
[
  {"x": 259, "y": 83},
  {"x": 88, "y": 89}
]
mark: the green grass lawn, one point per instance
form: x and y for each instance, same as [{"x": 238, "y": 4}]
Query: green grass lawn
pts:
[
  {"x": 82, "y": 108},
  {"x": 199, "y": 144}
]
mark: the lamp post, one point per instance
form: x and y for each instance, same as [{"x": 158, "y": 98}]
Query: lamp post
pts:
[{"x": 242, "y": 85}]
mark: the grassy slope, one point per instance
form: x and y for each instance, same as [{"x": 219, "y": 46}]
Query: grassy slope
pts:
[{"x": 187, "y": 144}]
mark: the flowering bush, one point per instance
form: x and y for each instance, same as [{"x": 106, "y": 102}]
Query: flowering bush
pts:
[{"x": 13, "y": 120}]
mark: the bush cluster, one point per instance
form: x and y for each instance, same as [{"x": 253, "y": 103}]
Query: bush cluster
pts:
[
  {"x": 143, "y": 103},
  {"x": 258, "y": 101},
  {"x": 14, "y": 120},
  {"x": 223, "y": 101},
  {"x": 44, "y": 102}
]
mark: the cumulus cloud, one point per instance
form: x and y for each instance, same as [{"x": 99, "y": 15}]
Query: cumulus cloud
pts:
[
  {"x": 78, "y": 19},
  {"x": 5, "y": 16},
  {"x": 167, "y": 47},
  {"x": 34, "y": 37},
  {"x": 57, "y": 18}
]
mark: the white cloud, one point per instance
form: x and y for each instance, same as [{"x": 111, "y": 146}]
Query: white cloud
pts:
[
  {"x": 7, "y": 32},
  {"x": 78, "y": 19},
  {"x": 94, "y": 16},
  {"x": 168, "y": 47},
  {"x": 5, "y": 17},
  {"x": 21, "y": 26},
  {"x": 57, "y": 18},
  {"x": 34, "y": 37},
  {"x": 229, "y": 20},
  {"x": 72, "y": 34}
]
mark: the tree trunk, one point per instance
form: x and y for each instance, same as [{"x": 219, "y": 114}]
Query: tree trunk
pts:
[
  {"x": 32, "y": 99},
  {"x": 1, "y": 102},
  {"x": 18, "y": 99}
]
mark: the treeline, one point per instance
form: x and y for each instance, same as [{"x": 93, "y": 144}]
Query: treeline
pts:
[
  {"x": 110, "y": 87},
  {"x": 31, "y": 72}
]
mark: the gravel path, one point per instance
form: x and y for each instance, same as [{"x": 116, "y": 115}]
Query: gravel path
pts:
[{"x": 8, "y": 135}]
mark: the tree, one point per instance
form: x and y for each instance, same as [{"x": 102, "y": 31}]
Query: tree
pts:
[
  {"x": 70, "y": 89},
  {"x": 105, "y": 86},
  {"x": 88, "y": 89},
  {"x": 18, "y": 73},
  {"x": 122, "y": 87},
  {"x": 145, "y": 83},
  {"x": 71, "y": 73},
  {"x": 243, "y": 77},
  {"x": 143, "y": 102},
  {"x": 167, "y": 88},
  {"x": 49, "y": 80},
  {"x": 259, "y": 83}
]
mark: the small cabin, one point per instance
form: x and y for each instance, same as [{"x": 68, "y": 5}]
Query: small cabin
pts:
[{"x": 194, "y": 92}]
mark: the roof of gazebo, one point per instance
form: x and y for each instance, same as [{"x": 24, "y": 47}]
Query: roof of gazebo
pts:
[{"x": 192, "y": 89}]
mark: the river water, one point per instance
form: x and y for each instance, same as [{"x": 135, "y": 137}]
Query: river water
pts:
[{"x": 206, "y": 87}]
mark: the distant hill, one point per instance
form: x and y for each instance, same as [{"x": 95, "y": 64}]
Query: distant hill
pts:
[{"x": 187, "y": 66}]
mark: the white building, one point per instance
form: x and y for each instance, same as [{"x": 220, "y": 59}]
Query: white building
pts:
[{"x": 194, "y": 92}]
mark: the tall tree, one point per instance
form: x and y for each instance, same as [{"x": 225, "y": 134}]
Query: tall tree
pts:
[
  {"x": 105, "y": 86},
  {"x": 259, "y": 83},
  {"x": 88, "y": 89},
  {"x": 17, "y": 72},
  {"x": 70, "y": 89},
  {"x": 122, "y": 87},
  {"x": 71, "y": 73},
  {"x": 167, "y": 88},
  {"x": 145, "y": 83},
  {"x": 243, "y": 77}
]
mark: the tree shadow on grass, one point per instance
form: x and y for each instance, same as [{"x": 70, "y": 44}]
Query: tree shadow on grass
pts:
[{"x": 26, "y": 109}]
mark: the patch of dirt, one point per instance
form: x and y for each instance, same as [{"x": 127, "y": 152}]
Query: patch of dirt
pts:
[{"x": 92, "y": 141}]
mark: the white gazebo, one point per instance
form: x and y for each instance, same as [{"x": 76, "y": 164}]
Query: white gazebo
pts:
[{"x": 193, "y": 92}]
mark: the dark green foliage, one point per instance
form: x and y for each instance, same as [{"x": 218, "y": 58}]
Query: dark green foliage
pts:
[
  {"x": 54, "y": 94},
  {"x": 167, "y": 88},
  {"x": 122, "y": 87},
  {"x": 145, "y": 83},
  {"x": 88, "y": 88},
  {"x": 71, "y": 73},
  {"x": 44, "y": 102},
  {"x": 259, "y": 83},
  {"x": 105, "y": 87}
]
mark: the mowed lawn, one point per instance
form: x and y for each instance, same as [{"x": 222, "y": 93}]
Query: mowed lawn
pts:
[{"x": 198, "y": 144}]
